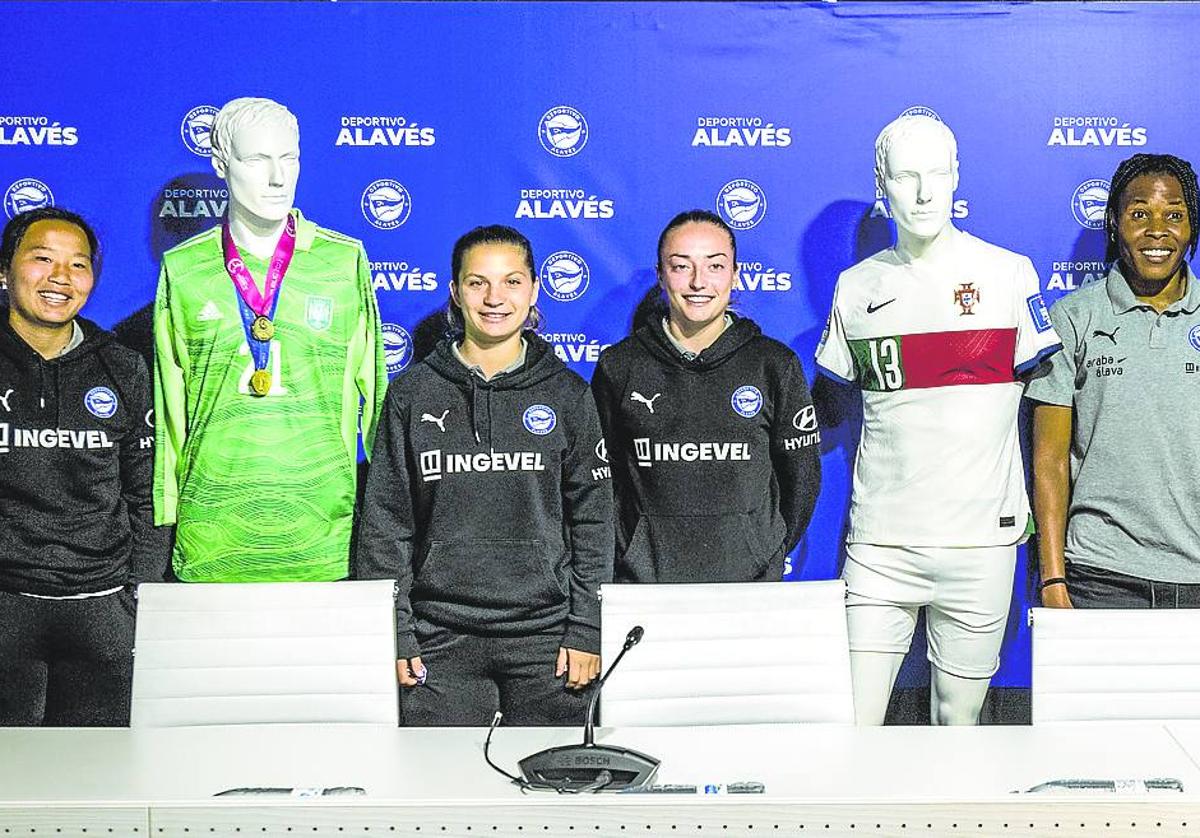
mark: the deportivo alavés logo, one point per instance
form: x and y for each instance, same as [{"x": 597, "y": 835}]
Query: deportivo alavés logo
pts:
[
  {"x": 386, "y": 203},
  {"x": 742, "y": 204},
  {"x": 1089, "y": 202},
  {"x": 563, "y": 131},
  {"x": 539, "y": 419},
  {"x": 101, "y": 402},
  {"x": 397, "y": 347},
  {"x": 36, "y": 131},
  {"x": 196, "y": 130},
  {"x": 921, "y": 110},
  {"x": 27, "y": 194},
  {"x": 564, "y": 275},
  {"x": 746, "y": 400}
]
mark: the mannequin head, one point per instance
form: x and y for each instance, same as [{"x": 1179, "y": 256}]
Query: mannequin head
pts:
[
  {"x": 256, "y": 151},
  {"x": 916, "y": 167}
]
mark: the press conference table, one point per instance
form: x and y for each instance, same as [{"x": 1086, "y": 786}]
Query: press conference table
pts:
[{"x": 827, "y": 780}]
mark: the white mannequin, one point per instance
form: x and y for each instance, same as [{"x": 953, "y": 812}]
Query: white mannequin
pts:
[
  {"x": 916, "y": 166},
  {"x": 256, "y": 151}
]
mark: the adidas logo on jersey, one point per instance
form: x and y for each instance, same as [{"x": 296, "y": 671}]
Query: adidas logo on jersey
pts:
[{"x": 209, "y": 312}]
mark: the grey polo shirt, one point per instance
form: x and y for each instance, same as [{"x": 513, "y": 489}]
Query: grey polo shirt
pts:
[{"x": 1132, "y": 377}]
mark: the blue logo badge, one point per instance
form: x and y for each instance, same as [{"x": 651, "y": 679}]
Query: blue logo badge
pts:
[
  {"x": 386, "y": 203},
  {"x": 27, "y": 194},
  {"x": 1038, "y": 313},
  {"x": 397, "y": 347},
  {"x": 101, "y": 402},
  {"x": 196, "y": 130},
  {"x": 742, "y": 204},
  {"x": 1194, "y": 337},
  {"x": 921, "y": 110},
  {"x": 747, "y": 400},
  {"x": 565, "y": 276},
  {"x": 563, "y": 131},
  {"x": 1089, "y": 202},
  {"x": 539, "y": 419}
]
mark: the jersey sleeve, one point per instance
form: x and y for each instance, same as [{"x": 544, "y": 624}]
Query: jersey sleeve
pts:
[
  {"x": 384, "y": 546},
  {"x": 370, "y": 368},
  {"x": 795, "y": 455},
  {"x": 150, "y": 549},
  {"x": 1036, "y": 337},
  {"x": 588, "y": 515},
  {"x": 170, "y": 405},
  {"x": 834, "y": 357},
  {"x": 1054, "y": 382}
]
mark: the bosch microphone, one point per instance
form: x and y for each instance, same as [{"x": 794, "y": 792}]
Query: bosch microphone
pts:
[{"x": 590, "y": 766}]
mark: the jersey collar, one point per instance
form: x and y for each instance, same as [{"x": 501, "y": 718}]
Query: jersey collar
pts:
[{"x": 1123, "y": 300}]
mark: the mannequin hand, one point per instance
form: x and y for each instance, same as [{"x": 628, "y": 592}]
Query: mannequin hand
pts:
[{"x": 581, "y": 668}]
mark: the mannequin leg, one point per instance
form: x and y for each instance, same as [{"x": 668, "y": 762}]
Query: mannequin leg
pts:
[
  {"x": 954, "y": 700},
  {"x": 873, "y": 675}
]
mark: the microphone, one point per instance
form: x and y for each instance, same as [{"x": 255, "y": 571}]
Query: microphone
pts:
[{"x": 591, "y": 767}]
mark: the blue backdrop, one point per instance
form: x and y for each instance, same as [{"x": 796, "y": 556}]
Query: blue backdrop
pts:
[{"x": 588, "y": 126}]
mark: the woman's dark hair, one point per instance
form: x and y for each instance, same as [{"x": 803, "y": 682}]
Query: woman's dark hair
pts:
[
  {"x": 491, "y": 234},
  {"x": 16, "y": 229},
  {"x": 1150, "y": 164},
  {"x": 696, "y": 216}
]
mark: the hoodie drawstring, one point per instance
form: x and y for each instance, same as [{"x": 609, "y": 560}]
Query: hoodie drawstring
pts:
[{"x": 474, "y": 408}]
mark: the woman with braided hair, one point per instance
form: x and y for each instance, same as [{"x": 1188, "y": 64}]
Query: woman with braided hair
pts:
[{"x": 1116, "y": 455}]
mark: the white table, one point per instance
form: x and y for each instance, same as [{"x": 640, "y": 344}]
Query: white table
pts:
[{"x": 826, "y": 780}]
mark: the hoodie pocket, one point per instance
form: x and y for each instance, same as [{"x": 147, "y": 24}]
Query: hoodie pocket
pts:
[
  {"x": 509, "y": 574},
  {"x": 737, "y": 547}
]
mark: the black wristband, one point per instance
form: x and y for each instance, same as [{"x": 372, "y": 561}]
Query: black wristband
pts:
[{"x": 1053, "y": 580}]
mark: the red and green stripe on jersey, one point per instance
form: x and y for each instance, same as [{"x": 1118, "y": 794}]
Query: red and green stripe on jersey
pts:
[{"x": 935, "y": 359}]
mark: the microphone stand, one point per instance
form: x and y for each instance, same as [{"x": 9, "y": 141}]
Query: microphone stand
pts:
[{"x": 589, "y": 766}]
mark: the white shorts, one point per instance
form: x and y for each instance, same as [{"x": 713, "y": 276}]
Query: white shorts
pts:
[{"x": 967, "y": 590}]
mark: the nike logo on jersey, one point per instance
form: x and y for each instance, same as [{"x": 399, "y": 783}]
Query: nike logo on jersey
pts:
[
  {"x": 874, "y": 307},
  {"x": 209, "y": 312},
  {"x": 440, "y": 421},
  {"x": 4, "y": 400},
  {"x": 635, "y": 396},
  {"x": 1110, "y": 335}
]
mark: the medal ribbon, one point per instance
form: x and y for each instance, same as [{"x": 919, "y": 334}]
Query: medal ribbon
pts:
[{"x": 251, "y": 303}]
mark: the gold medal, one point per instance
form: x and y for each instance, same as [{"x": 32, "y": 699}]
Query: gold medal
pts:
[
  {"x": 262, "y": 328},
  {"x": 260, "y": 382}
]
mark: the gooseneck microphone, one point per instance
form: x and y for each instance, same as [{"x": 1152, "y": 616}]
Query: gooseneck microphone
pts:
[
  {"x": 589, "y": 729},
  {"x": 591, "y": 767}
]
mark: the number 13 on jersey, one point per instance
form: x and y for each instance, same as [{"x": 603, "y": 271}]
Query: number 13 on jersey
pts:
[
  {"x": 276, "y": 365},
  {"x": 879, "y": 363}
]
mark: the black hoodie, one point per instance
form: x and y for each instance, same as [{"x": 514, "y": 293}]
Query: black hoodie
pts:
[
  {"x": 490, "y": 501},
  {"x": 715, "y": 460},
  {"x": 76, "y": 449}
]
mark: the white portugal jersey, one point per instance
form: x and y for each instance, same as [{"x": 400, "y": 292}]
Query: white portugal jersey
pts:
[{"x": 936, "y": 351}]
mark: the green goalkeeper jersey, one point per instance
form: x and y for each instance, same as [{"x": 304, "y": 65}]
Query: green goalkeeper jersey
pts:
[{"x": 262, "y": 488}]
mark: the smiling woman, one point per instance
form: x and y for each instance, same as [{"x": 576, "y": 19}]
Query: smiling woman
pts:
[
  {"x": 1112, "y": 415},
  {"x": 489, "y": 501},
  {"x": 75, "y": 516},
  {"x": 711, "y": 432}
]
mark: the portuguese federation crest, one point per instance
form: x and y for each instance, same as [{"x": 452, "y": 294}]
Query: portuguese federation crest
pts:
[{"x": 966, "y": 295}]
